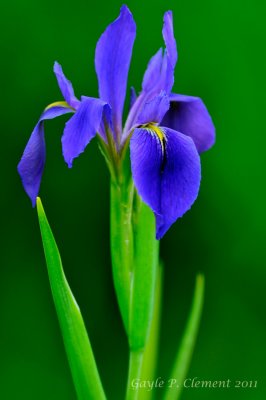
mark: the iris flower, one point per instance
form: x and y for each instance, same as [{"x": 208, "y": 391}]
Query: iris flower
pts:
[{"x": 166, "y": 132}]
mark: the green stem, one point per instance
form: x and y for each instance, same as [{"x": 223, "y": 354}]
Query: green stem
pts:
[
  {"x": 134, "y": 374},
  {"x": 144, "y": 300},
  {"x": 122, "y": 244},
  {"x": 151, "y": 350},
  {"x": 182, "y": 362}
]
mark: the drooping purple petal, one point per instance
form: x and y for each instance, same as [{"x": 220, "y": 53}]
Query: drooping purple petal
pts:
[
  {"x": 112, "y": 60},
  {"x": 146, "y": 161},
  {"x": 190, "y": 116},
  {"x": 181, "y": 179},
  {"x": 82, "y": 127},
  {"x": 154, "y": 110},
  {"x": 31, "y": 165},
  {"x": 65, "y": 86},
  {"x": 166, "y": 176}
]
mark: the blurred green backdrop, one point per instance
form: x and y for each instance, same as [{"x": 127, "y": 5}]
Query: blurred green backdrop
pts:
[{"x": 221, "y": 59}]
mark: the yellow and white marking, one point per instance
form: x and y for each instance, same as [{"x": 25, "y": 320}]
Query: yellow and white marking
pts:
[{"x": 155, "y": 129}]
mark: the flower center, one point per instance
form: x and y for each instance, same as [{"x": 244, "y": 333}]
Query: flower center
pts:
[{"x": 155, "y": 129}]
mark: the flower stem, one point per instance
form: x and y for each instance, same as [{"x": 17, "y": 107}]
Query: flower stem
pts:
[
  {"x": 150, "y": 355},
  {"x": 134, "y": 374},
  {"x": 122, "y": 245}
]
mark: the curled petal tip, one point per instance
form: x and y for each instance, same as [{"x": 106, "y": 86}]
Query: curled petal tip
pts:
[
  {"x": 57, "y": 68},
  {"x": 65, "y": 86},
  {"x": 56, "y": 65},
  {"x": 168, "y": 13},
  {"x": 67, "y": 158},
  {"x": 69, "y": 163}
]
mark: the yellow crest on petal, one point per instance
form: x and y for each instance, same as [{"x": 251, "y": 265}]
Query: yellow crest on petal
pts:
[
  {"x": 155, "y": 129},
  {"x": 57, "y": 104}
]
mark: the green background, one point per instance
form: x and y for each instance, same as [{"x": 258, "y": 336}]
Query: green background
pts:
[{"x": 221, "y": 59}]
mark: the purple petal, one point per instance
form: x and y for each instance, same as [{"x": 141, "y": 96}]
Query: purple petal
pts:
[
  {"x": 106, "y": 122},
  {"x": 190, "y": 116},
  {"x": 146, "y": 161},
  {"x": 160, "y": 71},
  {"x": 65, "y": 86},
  {"x": 31, "y": 165},
  {"x": 181, "y": 179},
  {"x": 167, "y": 178},
  {"x": 133, "y": 97},
  {"x": 170, "y": 56},
  {"x": 153, "y": 72},
  {"x": 154, "y": 110},
  {"x": 169, "y": 39},
  {"x": 112, "y": 60},
  {"x": 82, "y": 127}
]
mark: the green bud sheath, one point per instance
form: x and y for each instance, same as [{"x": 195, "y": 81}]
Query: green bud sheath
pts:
[{"x": 146, "y": 253}]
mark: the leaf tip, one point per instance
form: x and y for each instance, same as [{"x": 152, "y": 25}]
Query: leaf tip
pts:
[
  {"x": 39, "y": 205},
  {"x": 200, "y": 282}
]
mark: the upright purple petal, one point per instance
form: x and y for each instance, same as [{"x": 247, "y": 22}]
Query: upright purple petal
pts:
[
  {"x": 65, "y": 86},
  {"x": 82, "y": 127},
  {"x": 112, "y": 60},
  {"x": 190, "y": 116},
  {"x": 170, "y": 56},
  {"x": 160, "y": 71},
  {"x": 106, "y": 122},
  {"x": 166, "y": 175},
  {"x": 133, "y": 97},
  {"x": 154, "y": 110},
  {"x": 31, "y": 165},
  {"x": 153, "y": 72},
  {"x": 159, "y": 76},
  {"x": 169, "y": 39}
]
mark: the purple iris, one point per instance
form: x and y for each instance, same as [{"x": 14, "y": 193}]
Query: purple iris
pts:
[{"x": 167, "y": 131}]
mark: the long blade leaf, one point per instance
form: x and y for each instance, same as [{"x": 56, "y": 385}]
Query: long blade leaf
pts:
[
  {"x": 78, "y": 348},
  {"x": 182, "y": 361}
]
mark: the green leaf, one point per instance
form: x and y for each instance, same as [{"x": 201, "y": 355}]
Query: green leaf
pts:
[
  {"x": 182, "y": 361},
  {"x": 78, "y": 348}
]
